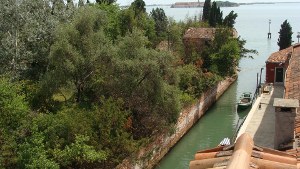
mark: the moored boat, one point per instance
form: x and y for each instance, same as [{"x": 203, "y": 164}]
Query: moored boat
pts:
[{"x": 245, "y": 100}]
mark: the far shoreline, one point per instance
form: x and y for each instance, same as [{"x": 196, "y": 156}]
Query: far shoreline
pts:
[{"x": 249, "y": 3}]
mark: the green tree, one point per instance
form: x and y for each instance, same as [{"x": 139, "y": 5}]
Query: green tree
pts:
[
  {"x": 161, "y": 21},
  {"x": 13, "y": 107},
  {"x": 206, "y": 10},
  {"x": 215, "y": 15},
  {"x": 126, "y": 21},
  {"x": 12, "y": 47},
  {"x": 38, "y": 32},
  {"x": 145, "y": 80},
  {"x": 78, "y": 53},
  {"x": 229, "y": 20},
  {"x": 26, "y": 32},
  {"x": 175, "y": 38},
  {"x": 219, "y": 16},
  {"x": 138, "y": 7},
  {"x": 79, "y": 153},
  {"x": 285, "y": 35},
  {"x": 33, "y": 154},
  {"x": 112, "y": 27},
  {"x": 226, "y": 59},
  {"x": 14, "y": 112}
]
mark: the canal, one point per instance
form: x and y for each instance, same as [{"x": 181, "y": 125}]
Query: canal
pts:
[{"x": 221, "y": 119}]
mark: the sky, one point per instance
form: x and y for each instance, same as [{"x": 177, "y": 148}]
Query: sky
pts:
[{"x": 149, "y": 2}]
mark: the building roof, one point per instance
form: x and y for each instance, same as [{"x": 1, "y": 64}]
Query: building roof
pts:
[
  {"x": 243, "y": 155},
  {"x": 200, "y": 33},
  {"x": 280, "y": 56},
  {"x": 292, "y": 80},
  {"x": 292, "y": 91}
]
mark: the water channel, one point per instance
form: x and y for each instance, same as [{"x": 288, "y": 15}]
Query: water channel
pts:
[{"x": 221, "y": 119}]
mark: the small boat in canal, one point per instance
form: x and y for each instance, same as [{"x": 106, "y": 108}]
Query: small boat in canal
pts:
[{"x": 245, "y": 100}]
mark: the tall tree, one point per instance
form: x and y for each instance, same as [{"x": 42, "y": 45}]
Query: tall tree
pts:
[
  {"x": 215, "y": 16},
  {"x": 26, "y": 32},
  {"x": 126, "y": 21},
  {"x": 77, "y": 53},
  {"x": 285, "y": 35},
  {"x": 144, "y": 79},
  {"x": 11, "y": 45},
  {"x": 14, "y": 110},
  {"x": 206, "y": 10},
  {"x": 161, "y": 21},
  {"x": 138, "y": 7},
  {"x": 229, "y": 20},
  {"x": 219, "y": 16}
]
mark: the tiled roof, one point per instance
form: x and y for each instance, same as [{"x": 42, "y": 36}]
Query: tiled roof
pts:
[
  {"x": 243, "y": 155},
  {"x": 292, "y": 80},
  {"x": 292, "y": 91},
  {"x": 280, "y": 56},
  {"x": 200, "y": 33}
]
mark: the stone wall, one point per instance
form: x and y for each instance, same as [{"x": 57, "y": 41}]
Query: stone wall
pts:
[{"x": 150, "y": 155}]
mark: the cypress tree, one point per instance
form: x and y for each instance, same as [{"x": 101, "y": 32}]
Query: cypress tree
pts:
[
  {"x": 285, "y": 35},
  {"x": 219, "y": 16},
  {"x": 213, "y": 15},
  {"x": 206, "y": 10}
]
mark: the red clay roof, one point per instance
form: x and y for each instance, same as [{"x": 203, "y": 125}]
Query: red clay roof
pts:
[
  {"x": 243, "y": 155},
  {"x": 292, "y": 91},
  {"x": 280, "y": 56},
  {"x": 292, "y": 80},
  {"x": 200, "y": 33}
]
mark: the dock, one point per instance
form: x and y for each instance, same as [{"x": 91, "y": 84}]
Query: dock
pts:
[{"x": 260, "y": 122}]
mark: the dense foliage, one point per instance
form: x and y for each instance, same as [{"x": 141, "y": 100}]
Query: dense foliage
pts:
[
  {"x": 86, "y": 85},
  {"x": 285, "y": 35}
]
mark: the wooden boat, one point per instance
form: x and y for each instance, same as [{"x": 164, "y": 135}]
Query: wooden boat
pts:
[{"x": 245, "y": 100}]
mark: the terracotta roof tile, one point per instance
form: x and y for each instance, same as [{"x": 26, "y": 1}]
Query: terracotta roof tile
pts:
[
  {"x": 243, "y": 155},
  {"x": 292, "y": 81},
  {"x": 280, "y": 56}
]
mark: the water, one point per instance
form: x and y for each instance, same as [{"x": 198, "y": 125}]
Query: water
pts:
[{"x": 221, "y": 119}]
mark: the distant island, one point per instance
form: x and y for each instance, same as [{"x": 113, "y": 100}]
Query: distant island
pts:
[
  {"x": 201, "y": 4},
  {"x": 219, "y": 3}
]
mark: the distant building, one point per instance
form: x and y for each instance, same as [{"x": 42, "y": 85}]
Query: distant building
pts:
[{"x": 195, "y": 39}]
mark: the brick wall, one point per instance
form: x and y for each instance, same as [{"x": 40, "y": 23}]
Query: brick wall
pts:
[{"x": 150, "y": 155}]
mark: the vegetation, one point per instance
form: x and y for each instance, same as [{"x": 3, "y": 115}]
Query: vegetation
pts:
[
  {"x": 85, "y": 86},
  {"x": 206, "y": 10},
  {"x": 285, "y": 35},
  {"x": 214, "y": 16}
]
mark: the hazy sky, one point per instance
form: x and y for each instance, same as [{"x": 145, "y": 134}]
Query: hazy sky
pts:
[{"x": 149, "y": 2}]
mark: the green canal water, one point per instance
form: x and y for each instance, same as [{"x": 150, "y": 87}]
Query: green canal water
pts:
[{"x": 221, "y": 119}]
